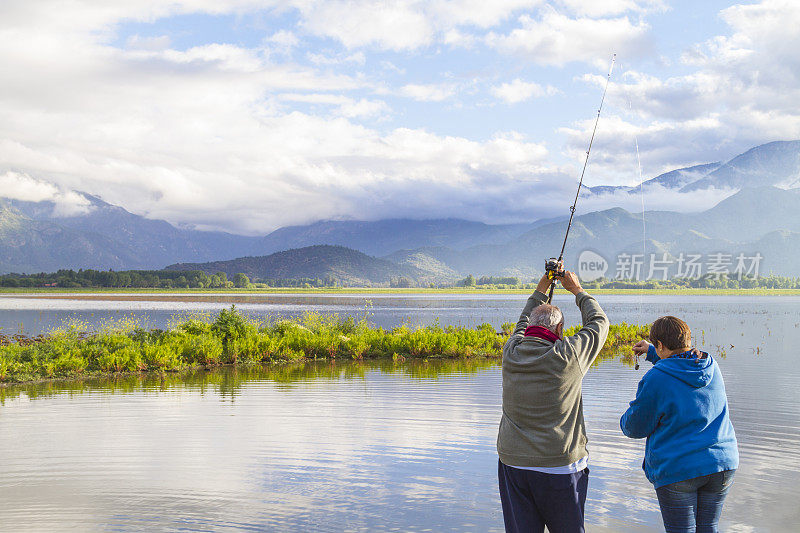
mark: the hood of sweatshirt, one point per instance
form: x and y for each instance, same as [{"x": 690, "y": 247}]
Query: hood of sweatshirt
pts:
[{"x": 694, "y": 368}]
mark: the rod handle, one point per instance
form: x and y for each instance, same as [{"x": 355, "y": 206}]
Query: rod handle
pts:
[{"x": 552, "y": 289}]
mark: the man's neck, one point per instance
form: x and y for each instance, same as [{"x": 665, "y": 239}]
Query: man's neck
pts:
[{"x": 679, "y": 350}]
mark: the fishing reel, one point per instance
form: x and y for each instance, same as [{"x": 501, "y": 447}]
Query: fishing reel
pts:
[{"x": 553, "y": 268}]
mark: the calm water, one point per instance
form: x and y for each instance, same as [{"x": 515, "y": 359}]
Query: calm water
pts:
[{"x": 367, "y": 447}]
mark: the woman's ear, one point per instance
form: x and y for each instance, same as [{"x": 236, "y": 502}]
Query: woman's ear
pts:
[
  {"x": 560, "y": 330},
  {"x": 661, "y": 351}
]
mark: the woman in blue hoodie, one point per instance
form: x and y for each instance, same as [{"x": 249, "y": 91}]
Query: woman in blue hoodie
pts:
[{"x": 681, "y": 408}]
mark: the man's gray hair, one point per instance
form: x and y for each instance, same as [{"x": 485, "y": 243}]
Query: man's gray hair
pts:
[{"x": 546, "y": 315}]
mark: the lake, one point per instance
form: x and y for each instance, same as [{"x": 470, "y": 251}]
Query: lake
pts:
[{"x": 370, "y": 446}]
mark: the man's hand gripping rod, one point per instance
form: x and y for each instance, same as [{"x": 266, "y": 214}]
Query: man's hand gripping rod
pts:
[{"x": 553, "y": 267}]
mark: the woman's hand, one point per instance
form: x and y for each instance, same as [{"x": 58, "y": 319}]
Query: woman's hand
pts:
[{"x": 641, "y": 347}]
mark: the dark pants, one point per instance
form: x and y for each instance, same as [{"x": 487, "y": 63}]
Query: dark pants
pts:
[
  {"x": 694, "y": 505},
  {"x": 533, "y": 500}
]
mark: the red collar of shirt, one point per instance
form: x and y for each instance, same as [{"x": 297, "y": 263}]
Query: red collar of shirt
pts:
[{"x": 542, "y": 333}]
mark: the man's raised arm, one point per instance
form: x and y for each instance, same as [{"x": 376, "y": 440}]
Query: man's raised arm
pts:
[
  {"x": 588, "y": 342},
  {"x": 536, "y": 299}
]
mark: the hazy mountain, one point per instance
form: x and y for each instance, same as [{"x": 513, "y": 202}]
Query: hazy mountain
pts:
[
  {"x": 776, "y": 163},
  {"x": 736, "y": 225},
  {"x": 681, "y": 177},
  {"x": 28, "y": 245},
  {"x": 435, "y": 268},
  {"x": 674, "y": 179},
  {"x": 456, "y": 263},
  {"x": 779, "y": 249},
  {"x": 751, "y": 213},
  {"x": 349, "y": 266},
  {"x": 148, "y": 243},
  {"x": 382, "y": 237},
  {"x": 107, "y": 236},
  {"x": 36, "y": 236},
  {"x": 772, "y": 164}
]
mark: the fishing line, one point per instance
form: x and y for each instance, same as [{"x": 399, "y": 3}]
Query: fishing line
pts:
[
  {"x": 644, "y": 235},
  {"x": 552, "y": 266}
]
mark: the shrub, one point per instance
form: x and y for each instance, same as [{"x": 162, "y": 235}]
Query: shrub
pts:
[{"x": 232, "y": 338}]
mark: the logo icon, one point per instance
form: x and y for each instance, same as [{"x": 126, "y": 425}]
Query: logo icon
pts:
[{"x": 591, "y": 266}]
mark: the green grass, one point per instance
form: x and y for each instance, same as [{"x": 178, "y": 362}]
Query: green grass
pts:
[
  {"x": 620, "y": 339},
  {"x": 233, "y": 339}
]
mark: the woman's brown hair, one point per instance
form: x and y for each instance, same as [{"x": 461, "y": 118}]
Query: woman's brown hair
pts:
[{"x": 672, "y": 332}]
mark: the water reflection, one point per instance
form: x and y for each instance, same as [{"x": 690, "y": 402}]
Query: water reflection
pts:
[
  {"x": 321, "y": 446},
  {"x": 375, "y": 446},
  {"x": 228, "y": 381}
]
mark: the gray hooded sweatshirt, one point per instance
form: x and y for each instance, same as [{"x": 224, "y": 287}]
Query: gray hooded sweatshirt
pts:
[{"x": 542, "y": 423}]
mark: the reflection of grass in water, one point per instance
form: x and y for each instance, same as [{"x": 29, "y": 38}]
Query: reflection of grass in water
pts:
[
  {"x": 192, "y": 341},
  {"x": 228, "y": 381},
  {"x": 620, "y": 339}
]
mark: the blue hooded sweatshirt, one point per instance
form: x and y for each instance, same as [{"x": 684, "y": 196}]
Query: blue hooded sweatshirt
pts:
[{"x": 682, "y": 410}]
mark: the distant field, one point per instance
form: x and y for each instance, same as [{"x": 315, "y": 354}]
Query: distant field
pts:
[{"x": 382, "y": 290}]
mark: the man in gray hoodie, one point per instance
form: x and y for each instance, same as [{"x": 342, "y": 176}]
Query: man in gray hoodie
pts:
[{"x": 543, "y": 467}]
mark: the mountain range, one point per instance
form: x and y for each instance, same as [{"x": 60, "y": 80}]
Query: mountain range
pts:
[
  {"x": 34, "y": 237},
  {"x": 761, "y": 215},
  {"x": 347, "y": 266},
  {"x": 763, "y": 220}
]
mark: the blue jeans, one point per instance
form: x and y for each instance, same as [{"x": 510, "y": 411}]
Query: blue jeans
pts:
[
  {"x": 532, "y": 500},
  {"x": 694, "y": 505}
]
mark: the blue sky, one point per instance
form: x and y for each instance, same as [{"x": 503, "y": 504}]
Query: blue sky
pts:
[
  {"x": 469, "y": 72},
  {"x": 248, "y": 115}
]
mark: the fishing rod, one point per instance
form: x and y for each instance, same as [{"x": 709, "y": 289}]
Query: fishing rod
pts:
[{"x": 553, "y": 266}]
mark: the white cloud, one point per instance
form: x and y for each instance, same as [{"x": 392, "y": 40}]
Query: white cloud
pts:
[
  {"x": 593, "y": 8},
  {"x": 363, "y": 108},
  {"x": 458, "y": 38},
  {"x": 258, "y": 173},
  {"x": 435, "y": 92},
  {"x": 555, "y": 39},
  {"x": 283, "y": 41},
  {"x": 22, "y": 187},
  {"x": 478, "y": 13},
  {"x": 203, "y": 136},
  {"x": 656, "y": 198},
  {"x": 214, "y": 135},
  {"x": 391, "y": 67},
  {"x": 519, "y": 91},
  {"x": 759, "y": 34},
  {"x": 663, "y": 146},
  {"x": 356, "y": 58},
  {"x": 16, "y": 186},
  {"x": 407, "y": 25},
  {"x": 345, "y": 106},
  {"x": 742, "y": 91},
  {"x": 161, "y": 42},
  {"x": 394, "y": 26},
  {"x": 414, "y": 24}
]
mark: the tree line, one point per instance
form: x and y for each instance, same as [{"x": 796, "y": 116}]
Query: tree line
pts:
[
  {"x": 197, "y": 279},
  {"x": 152, "y": 279}
]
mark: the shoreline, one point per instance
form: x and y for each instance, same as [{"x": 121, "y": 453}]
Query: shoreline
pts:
[
  {"x": 233, "y": 339},
  {"x": 37, "y": 291}
]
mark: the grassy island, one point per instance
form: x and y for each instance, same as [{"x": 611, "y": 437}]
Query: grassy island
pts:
[{"x": 231, "y": 338}]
